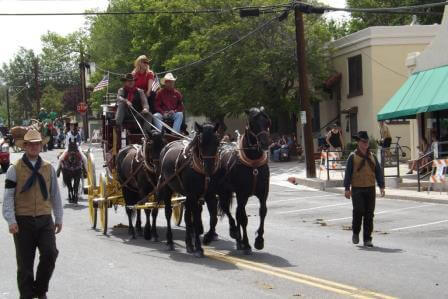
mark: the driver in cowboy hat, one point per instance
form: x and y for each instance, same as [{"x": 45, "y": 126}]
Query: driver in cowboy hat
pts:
[
  {"x": 31, "y": 195},
  {"x": 168, "y": 103},
  {"x": 360, "y": 174},
  {"x": 132, "y": 100}
]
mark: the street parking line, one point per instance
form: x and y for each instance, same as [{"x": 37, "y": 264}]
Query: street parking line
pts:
[
  {"x": 300, "y": 278},
  {"x": 384, "y": 212},
  {"x": 419, "y": 225},
  {"x": 314, "y": 208},
  {"x": 269, "y": 202}
]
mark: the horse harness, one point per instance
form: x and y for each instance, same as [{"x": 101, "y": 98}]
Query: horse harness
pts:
[
  {"x": 188, "y": 156},
  {"x": 242, "y": 158},
  {"x": 140, "y": 158}
]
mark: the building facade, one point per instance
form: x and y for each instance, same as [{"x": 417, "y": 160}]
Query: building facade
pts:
[{"x": 371, "y": 66}]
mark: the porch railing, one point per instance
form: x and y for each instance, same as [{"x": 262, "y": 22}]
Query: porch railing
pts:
[{"x": 425, "y": 173}]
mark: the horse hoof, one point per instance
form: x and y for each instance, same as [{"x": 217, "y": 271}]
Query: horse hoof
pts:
[
  {"x": 259, "y": 243},
  {"x": 210, "y": 237},
  {"x": 147, "y": 236},
  {"x": 190, "y": 249},
  {"x": 155, "y": 239},
  {"x": 170, "y": 247},
  {"x": 247, "y": 251},
  {"x": 199, "y": 253},
  {"x": 239, "y": 246}
]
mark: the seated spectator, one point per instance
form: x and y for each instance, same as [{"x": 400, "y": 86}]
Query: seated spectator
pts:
[{"x": 424, "y": 148}]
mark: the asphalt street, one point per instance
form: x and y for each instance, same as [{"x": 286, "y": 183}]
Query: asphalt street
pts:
[{"x": 308, "y": 252}]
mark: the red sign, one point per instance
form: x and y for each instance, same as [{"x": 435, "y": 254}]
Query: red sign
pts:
[{"x": 82, "y": 107}]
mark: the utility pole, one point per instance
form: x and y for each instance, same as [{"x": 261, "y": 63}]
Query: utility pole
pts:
[
  {"x": 7, "y": 108},
  {"x": 82, "y": 69},
  {"x": 304, "y": 94},
  {"x": 36, "y": 82}
]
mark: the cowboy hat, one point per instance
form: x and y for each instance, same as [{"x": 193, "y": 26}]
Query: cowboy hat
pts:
[
  {"x": 362, "y": 135},
  {"x": 168, "y": 77},
  {"x": 141, "y": 58},
  {"x": 127, "y": 77},
  {"x": 32, "y": 136}
]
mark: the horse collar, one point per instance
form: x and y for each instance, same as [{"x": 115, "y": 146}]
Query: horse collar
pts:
[{"x": 263, "y": 160}]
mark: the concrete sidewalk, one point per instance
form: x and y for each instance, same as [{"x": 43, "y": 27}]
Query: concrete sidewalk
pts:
[{"x": 294, "y": 173}]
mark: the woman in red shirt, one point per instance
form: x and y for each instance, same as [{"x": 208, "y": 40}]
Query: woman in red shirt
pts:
[{"x": 144, "y": 77}]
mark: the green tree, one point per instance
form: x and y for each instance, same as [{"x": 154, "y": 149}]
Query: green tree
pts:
[
  {"x": 258, "y": 71},
  {"x": 360, "y": 21},
  {"x": 52, "y": 99}
]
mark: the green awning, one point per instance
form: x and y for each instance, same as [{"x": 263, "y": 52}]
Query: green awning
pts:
[{"x": 424, "y": 91}]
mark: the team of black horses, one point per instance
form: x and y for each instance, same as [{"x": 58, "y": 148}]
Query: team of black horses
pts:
[{"x": 203, "y": 170}]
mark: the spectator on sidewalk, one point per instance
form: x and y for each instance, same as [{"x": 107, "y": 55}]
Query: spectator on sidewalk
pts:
[
  {"x": 423, "y": 149},
  {"x": 360, "y": 174},
  {"x": 334, "y": 139},
  {"x": 31, "y": 194},
  {"x": 385, "y": 140}
]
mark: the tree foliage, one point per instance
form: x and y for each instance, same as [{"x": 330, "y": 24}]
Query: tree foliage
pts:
[
  {"x": 259, "y": 71},
  {"x": 52, "y": 99}
]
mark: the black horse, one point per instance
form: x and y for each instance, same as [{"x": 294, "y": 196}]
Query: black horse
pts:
[
  {"x": 71, "y": 166},
  {"x": 138, "y": 169},
  {"x": 189, "y": 168},
  {"x": 244, "y": 170}
]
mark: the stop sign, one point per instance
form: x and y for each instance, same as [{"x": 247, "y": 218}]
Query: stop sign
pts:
[{"x": 82, "y": 107}]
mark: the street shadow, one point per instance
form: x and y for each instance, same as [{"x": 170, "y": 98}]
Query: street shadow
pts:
[
  {"x": 75, "y": 207},
  {"x": 380, "y": 249}
]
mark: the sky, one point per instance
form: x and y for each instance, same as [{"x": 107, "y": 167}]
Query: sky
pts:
[{"x": 26, "y": 31}]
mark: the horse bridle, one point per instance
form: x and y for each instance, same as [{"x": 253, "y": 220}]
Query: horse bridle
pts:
[
  {"x": 257, "y": 135},
  {"x": 204, "y": 158}
]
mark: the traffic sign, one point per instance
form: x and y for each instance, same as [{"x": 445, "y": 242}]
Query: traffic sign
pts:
[{"x": 82, "y": 107}]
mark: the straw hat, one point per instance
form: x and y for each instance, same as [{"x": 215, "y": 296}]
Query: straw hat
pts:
[
  {"x": 31, "y": 136},
  {"x": 169, "y": 77}
]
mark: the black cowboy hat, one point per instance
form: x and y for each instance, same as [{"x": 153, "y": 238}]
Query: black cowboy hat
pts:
[
  {"x": 362, "y": 135},
  {"x": 127, "y": 77}
]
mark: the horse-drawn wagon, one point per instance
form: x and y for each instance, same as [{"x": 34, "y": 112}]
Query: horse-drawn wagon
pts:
[{"x": 106, "y": 191}]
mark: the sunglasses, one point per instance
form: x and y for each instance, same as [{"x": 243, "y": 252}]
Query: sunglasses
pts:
[{"x": 363, "y": 141}]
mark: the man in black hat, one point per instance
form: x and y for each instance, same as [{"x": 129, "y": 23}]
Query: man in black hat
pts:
[
  {"x": 129, "y": 98},
  {"x": 360, "y": 174}
]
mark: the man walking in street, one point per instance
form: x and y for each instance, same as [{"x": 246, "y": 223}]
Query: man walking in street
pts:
[
  {"x": 31, "y": 194},
  {"x": 360, "y": 174}
]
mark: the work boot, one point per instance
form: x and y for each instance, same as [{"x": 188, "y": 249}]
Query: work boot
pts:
[
  {"x": 368, "y": 243},
  {"x": 355, "y": 239}
]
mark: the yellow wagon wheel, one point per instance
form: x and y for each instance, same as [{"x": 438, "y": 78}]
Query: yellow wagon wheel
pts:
[
  {"x": 178, "y": 212},
  {"x": 104, "y": 203},
  {"x": 92, "y": 191}
]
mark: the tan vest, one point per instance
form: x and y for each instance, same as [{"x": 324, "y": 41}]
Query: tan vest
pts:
[
  {"x": 31, "y": 202},
  {"x": 364, "y": 177}
]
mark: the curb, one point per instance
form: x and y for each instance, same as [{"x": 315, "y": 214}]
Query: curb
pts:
[
  {"x": 400, "y": 197},
  {"x": 332, "y": 186}
]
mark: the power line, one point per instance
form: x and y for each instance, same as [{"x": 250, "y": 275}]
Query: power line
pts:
[
  {"x": 263, "y": 9},
  {"x": 412, "y": 9},
  {"x": 303, "y": 7}
]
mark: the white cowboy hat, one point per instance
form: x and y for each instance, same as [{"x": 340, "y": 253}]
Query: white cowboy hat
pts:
[
  {"x": 169, "y": 77},
  {"x": 31, "y": 136}
]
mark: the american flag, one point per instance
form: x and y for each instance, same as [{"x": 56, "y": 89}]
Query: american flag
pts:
[
  {"x": 103, "y": 83},
  {"x": 156, "y": 84}
]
